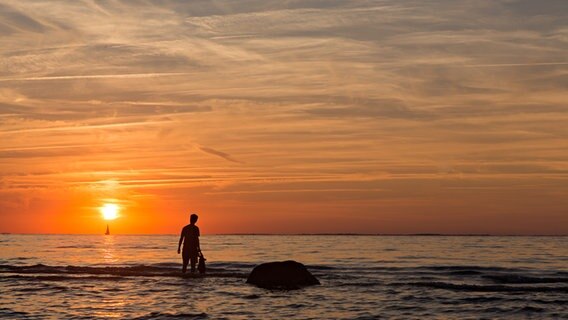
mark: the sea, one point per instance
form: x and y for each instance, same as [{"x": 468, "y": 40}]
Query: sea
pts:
[{"x": 362, "y": 277}]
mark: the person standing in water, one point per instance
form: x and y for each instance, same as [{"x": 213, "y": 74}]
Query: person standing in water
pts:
[{"x": 190, "y": 238}]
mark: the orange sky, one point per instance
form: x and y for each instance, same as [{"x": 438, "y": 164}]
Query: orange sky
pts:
[{"x": 284, "y": 117}]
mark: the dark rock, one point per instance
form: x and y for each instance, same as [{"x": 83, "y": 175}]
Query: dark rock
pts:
[{"x": 281, "y": 275}]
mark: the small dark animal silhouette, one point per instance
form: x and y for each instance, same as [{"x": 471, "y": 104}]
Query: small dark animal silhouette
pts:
[{"x": 201, "y": 264}]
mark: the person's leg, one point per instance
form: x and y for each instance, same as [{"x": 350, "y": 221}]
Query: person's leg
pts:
[
  {"x": 185, "y": 256},
  {"x": 193, "y": 261}
]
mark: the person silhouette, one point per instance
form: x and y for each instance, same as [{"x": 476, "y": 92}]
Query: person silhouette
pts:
[{"x": 190, "y": 238}]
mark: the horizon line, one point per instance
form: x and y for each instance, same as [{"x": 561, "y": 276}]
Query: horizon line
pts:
[{"x": 426, "y": 234}]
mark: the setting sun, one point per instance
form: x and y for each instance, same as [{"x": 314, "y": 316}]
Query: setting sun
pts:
[{"x": 109, "y": 211}]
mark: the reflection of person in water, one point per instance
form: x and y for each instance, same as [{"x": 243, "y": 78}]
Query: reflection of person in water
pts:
[{"x": 190, "y": 238}]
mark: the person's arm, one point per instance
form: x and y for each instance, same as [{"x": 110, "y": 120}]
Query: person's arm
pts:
[
  {"x": 180, "y": 240},
  {"x": 198, "y": 247}
]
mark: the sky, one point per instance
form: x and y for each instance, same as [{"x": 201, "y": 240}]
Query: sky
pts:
[{"x": 308, "y": 116}]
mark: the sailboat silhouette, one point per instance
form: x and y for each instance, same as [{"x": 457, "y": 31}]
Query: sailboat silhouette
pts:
[{"x": 107, "y": 232}]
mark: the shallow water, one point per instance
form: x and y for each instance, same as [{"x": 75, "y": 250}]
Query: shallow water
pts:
[{"x": 363, "y": 277}]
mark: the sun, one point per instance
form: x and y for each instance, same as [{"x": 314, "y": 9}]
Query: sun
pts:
[{"x": 109, "y": 211}]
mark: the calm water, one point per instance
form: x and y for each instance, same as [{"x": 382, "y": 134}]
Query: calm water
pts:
[{"x": 363, "y": 277}]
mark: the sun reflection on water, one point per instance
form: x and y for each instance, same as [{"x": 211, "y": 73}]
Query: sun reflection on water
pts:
[
  {"x": 113, "y": 307},
  {"x": 108, "y": 250}
]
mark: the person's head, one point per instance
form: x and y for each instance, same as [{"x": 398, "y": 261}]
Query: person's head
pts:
[{"x": 193, "y": 218}]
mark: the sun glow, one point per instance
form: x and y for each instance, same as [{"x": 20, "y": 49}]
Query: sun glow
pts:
[{"x": 109, "y": 211}]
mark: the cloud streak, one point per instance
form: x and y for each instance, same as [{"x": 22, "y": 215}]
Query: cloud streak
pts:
[
  {"x": 414, "y": 109},
  {"x": 98, "y": 76},
  {"x": 218, "y": 153},
  {"x": 536, "y": 64}
]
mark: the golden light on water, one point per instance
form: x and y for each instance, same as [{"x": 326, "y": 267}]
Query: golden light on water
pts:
[{"x": 109, "y": 211}]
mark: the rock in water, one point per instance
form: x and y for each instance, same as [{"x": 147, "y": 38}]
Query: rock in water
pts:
[{"x": 281, "y": 275}]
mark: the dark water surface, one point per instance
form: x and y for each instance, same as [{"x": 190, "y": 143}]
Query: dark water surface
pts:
[{"x": 363, "y": 277}]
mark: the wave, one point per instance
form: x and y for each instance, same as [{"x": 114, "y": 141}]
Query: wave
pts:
[
  {"x": 233, "y": 265},
  {"x": 360, "y": 284},
  {"x": 479, "y": 300},
  {"x": 76, "y": 247},
  {"x": 449, "y": 269},
  {"x": 520, "y": 279},
  {"x": 165, "y": 315},
  {"x": 132, "y": 271},
  {"x": 167, "y": 264},
  {"x": 500, "y": 275},
  {"x": 142, "y": 247},
  {"x": 165, "y": 269},
  {"x": 465, "y": 272},
  {"x": 320, "y": 267},
  {"x": 7, "y": 312},
  {"x": 452, "y": 268},
  {"x": 482, "y": 288},
  {"x": 440, "y": 277},
  {"x": 63, "y": 278}
]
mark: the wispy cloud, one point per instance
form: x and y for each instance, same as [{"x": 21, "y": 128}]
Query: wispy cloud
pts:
[
  {"x": 218, "y": 153},
  {"x": 381, "y": 100},
  {"x": 97, "y": 76},
  {"x": 535, "y": 64}
]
